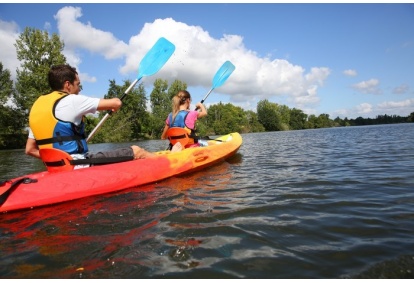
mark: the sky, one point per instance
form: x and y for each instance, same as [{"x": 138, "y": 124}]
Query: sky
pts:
[{"x": 342, "y": 59}]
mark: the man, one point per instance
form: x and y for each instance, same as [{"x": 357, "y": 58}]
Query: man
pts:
[{"x": 57, "y": 119}]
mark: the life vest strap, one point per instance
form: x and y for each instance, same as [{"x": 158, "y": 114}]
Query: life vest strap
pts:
[
  {"x": 55, "y": 163},
  {"x": 101, "y": 160},
  {"x": 60, "y": 139}
]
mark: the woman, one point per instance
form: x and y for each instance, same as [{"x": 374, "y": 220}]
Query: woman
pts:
[{"x": 180, "y": 125}]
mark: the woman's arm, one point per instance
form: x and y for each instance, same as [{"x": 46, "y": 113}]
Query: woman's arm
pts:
[
  {"x": 203, "y": 111},
  {"x": 164, "y": 132}
]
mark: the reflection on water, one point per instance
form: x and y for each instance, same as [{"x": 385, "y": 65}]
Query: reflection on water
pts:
[{"x": 327, "y": 203}]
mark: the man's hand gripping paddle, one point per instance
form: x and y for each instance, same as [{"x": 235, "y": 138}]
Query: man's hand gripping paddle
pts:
[{"x": 152, "y": 62}]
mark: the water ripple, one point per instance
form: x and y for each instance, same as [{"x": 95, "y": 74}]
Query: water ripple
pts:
[{"x": 326, "y": 203}]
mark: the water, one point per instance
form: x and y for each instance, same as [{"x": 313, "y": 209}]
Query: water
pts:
[{"x": 326, "y": 203}]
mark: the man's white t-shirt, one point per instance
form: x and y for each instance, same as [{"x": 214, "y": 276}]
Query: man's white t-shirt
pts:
[{"x": 73, "y": 107}]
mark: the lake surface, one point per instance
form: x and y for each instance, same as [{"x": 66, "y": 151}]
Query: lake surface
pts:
[{"x": 325, "y": 203}]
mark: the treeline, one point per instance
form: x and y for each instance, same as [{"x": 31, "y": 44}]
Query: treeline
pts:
[
  {"x": 37, "y": 51},
  {"x": 379, "y": 120}
]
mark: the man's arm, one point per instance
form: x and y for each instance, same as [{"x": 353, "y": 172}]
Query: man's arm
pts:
[
  {"x": 109, "y": 104},
  {"x": 31, "y": 148}
]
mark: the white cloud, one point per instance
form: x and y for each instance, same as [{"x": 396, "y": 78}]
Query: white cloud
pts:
[
  {"x": 84, "y": 36},
  {"x": 408, "y": 44},
  {"x": 196, "y": 59},
  {"x": 368, "y": 87},
  {"x": 340, "y": 113},
  {"x": 402, "y": 89},
  {"x": 350, "y": 73},
  {"x": 9, "y": 32},
  {"x": 392, "y": 105},
  {"x": 47, "y": 26},
  {"x": 401, "y": 108},
  {"x": 364, "y": 108},
  {"x": 84, "y": 77}
]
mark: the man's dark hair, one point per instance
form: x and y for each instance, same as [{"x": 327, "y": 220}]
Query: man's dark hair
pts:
[{"x": 59, "y": 74}]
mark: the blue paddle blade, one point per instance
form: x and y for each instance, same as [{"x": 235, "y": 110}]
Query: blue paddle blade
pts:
[
  {"x": 156, "y": 57},
  {"x": 223, "y": 73}
]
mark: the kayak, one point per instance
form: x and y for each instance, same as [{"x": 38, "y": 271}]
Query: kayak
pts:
[{"x": 46, "y": 188}]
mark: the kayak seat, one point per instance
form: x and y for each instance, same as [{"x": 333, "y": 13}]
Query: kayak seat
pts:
[
  {"x": 177, "y": 134},
  {"x": 56, "y": 160}
]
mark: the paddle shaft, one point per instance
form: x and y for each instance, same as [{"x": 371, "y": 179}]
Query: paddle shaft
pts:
[
  {"x": 152, "y": 62},
  {"x": 220, "y": 77},
  {"x": 110, "y": 112},
  {"x": 205, "y": 97}
]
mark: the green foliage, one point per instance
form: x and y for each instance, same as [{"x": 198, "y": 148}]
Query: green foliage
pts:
[
  {"x": 37, "y": 52},
  {"x": 269, "y": 115},
  {"x": 160, "y": 105},
  {"x": 410, "y": 118},
  {"x": 175, "y": 87},
  {"x": 226, "y": 118},
  {"x": 12, "y": 123},
  {"x": 6, "y": 85},
  {"x": 11, "y": 120},
  {"x": 253, "y": 125},
  {"x": 312, "y": 122},
  {"x": 297, "y": 119},
  {"x": 324, "y": 121},
  {"x": 127, "y": 123},
  {"x": 380, "y": 119},
  {"x": 90, "y": 124}
]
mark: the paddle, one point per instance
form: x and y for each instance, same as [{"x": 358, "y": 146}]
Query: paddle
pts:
[
  {"x": 220, "y": 77},
  {"x": 152, "y": 62}
]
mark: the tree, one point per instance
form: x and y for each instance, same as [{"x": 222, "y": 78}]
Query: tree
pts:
[
  {"x": 37, "y": 52},
  {"x": 11, "y": 120},
  {"x": 253, "y": 123},
  {"x": 410, "y": 118},
  {"x": 297, "y": 119},
  {"x": 324, "y": 121},
  {"x": 160, "y": 107},
  {"x": 225, "y": 118},
  {"x": 174, "y": 88},
  {"x": 6, "y": 85},
  {"x": 268, "y": 115},
  {"x": 312, "y": 122},
  {"x": 133, "y": 106},
  {"x": 284, "y": 114},
  {"x": 125, "y": 124}
]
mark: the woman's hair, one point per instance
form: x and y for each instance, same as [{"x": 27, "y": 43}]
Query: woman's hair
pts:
[
  {"x": 59, "y": 74},
  {"x": 178, "y": 100}
]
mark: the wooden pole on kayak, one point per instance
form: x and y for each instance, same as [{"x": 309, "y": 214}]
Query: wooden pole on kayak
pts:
[{"x": 152, "y": 62}]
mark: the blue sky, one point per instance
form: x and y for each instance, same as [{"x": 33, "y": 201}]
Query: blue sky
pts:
[{"x": 341, "y": 59}]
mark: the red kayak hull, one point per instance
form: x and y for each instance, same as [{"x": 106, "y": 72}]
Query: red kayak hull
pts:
[{"x": 49, "y": 188}]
